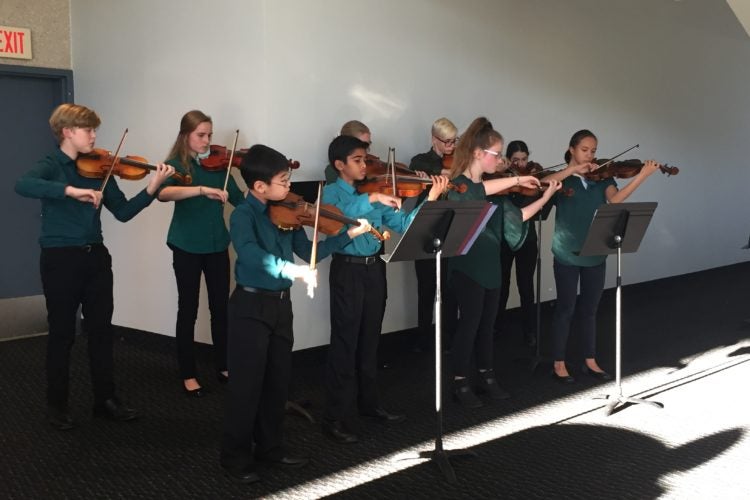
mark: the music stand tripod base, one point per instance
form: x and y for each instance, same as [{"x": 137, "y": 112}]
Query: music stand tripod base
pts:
[
  {"x": 450, "y": 228},
  {"x": 618, "y": 227}
]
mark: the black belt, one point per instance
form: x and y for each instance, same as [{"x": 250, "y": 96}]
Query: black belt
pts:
[
  {"x": 279, "y": 294},
  {"x": 351, "y": 259},
  {"x": 80, "y": 248}
]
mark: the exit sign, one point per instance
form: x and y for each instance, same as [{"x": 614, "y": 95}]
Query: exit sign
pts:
[{"x": 15, "y": 42}]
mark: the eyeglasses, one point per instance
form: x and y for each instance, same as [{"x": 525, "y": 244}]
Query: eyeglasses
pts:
[
  {"x": 285, "y": 183},
  {"x": 496, "y": 154},
  {"x": 448, "y": 142}
]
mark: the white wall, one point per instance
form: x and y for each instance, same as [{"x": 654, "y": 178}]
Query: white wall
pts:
[{"x": 668, "y": 75}]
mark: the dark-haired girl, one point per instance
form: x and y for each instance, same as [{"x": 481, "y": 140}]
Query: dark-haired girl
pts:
[
  {"x": 517, "y": 154},
  {"x": 476, "y": 276},
  {"x": 572, "y": 220}
]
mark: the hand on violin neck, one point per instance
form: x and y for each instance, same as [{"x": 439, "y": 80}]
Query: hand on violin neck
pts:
[
  {"x": 386, "y": 199},
  {"x": 528, "y": 181},
  {"x": 649, "y": 167},
  {"x": 163, "y": 172},
  {"x": 552, "y": 186},
  {"x": 439, "y": 185},
  {"x": 84, "y": 195},
  {"x": 364, "y": 227},
  {"x": 421, "y": 174}
]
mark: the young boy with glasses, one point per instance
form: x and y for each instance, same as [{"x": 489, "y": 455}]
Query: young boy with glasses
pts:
[{"x": 260, "y": 335}]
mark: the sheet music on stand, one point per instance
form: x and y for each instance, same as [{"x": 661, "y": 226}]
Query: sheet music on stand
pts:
[{"x": 441, "y": 228}]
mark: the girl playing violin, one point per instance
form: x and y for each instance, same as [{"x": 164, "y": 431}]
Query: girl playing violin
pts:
[
  {"x": 517, "y": 153},
  {"x": 476, "y": 276},
  {"x": 199, "y": 241},
  {"x": 572, "y": 219},
  {"x": 443, "y": 136},
  {"x": 76, "y": 267}
]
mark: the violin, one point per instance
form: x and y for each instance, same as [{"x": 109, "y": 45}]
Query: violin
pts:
[
  {"x": 218, "y": 158},
  {"x": 379, "y": 179},
  {"x": 407, "y": 186},
  {"x": 294, "y": 212},
  {"x": 96, "y": 165},
  {"x": 527, "y": 191},
  {"x": 531, "y": 168},
  {"x": 623, "y": 169},
  {"x": 448, "y": 161}
]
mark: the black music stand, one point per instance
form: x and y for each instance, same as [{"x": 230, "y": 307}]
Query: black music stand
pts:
[
  {"x": 618, "y": 228},
  {"x": 441, "y": 228},
  {"x": 542, "y": 215}
]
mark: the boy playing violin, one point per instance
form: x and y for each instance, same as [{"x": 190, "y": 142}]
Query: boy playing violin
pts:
[
  {"x": 358, "y": 294},
  {"x": 260, "y": 317},
  {"x": 75, "y": 265}
]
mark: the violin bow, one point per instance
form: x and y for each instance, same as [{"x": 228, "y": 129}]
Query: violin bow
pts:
[
  {"x": 392, "y": 169},
  {"x": 231, "y": 158},
  {"x": 314, "y": 252},
  {"x": 615, "y": 157},
  {"x": 115, "y": 160}
]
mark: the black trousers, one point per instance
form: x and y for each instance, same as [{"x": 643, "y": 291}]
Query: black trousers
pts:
[
  {"x": 426, "y": 287},
  {"x": 188, "y": 268},
  {"x": 592, "y": 286},
  {"x": 73, "y": 276},
  {"x": 357, "y": 295},
  {"x": 525, "y": 258},
  {"x": 260, "y": 353},
  {"x": 478, "y": 307}
]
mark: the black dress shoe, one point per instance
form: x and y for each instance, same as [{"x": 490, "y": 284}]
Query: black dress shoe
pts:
[
  {"x": 530, "y": 339},
  {"x": 243, "y": 476},
  {"x": 384, "y": 417},
  {"x": 567, "y": 379},
  {"x": 464, "y": 394},
  {"x": 194, "y": 393},
  {"x": 112, "y": 409},
  {"x": 285, "y": 461},
  {"x": 604, "y": 376},
  {"x": 335, "y": 430},
  {"x": 60, "y": 419}
]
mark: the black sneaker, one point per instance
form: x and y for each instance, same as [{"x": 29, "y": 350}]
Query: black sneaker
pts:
[
  {"x": 488, "y": 385},
  {"x": 60, "y": 419},
  {"x": 463, "y": 393}
]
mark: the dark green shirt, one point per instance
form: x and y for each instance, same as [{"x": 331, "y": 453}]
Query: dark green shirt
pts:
[
  {"x": 521, "y": 201},
  {"x": 428, "y": 162},
  {"x": 331, "y": 174},
  {"x": 482, "y": 262},
  {"x": 66, "y": 221},
  {"x": 198, "y": 223},
  {"x": 264, "y": 251},
  {"x": 573, "y": 217}
]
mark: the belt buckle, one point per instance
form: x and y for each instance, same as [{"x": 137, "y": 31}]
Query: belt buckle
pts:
[
  {"x": 370, "y": 260},
  {"x": 86, "y": 248},
  {"x": 282, "y": 294}
]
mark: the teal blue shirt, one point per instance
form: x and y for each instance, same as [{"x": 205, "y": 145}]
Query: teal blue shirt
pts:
[
  {"x": 357, "y": 206},
  {"x": 482, "y": 263},
  {"x": 264, "y": 251},
  {"x": 66, "y": 221},
  {"x": 573, "y": 216},
  {"x": 198, "y": 223}
]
